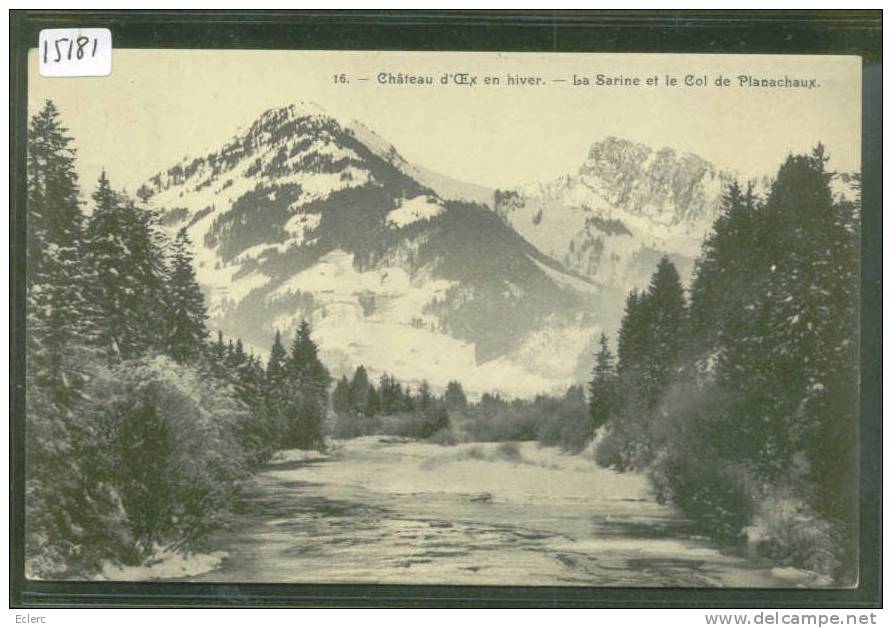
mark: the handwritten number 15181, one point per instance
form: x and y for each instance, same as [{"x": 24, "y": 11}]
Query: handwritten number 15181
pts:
[{"x": 69, "y": 48}]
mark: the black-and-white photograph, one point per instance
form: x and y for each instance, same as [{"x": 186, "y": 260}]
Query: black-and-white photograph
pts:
[{"x": 444, "y": 318}]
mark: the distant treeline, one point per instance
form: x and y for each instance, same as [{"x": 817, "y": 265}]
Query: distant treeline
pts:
[{"x": 391, "y": 408}]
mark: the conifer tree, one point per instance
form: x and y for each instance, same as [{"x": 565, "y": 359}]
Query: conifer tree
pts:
[
  {"x": 55, "y": 218},
  {"x": 276, "y": 366},
  {"x": 631, "y": 338},
  {"x": 424, "y": 398},
  {"x": 217, "y": 357},
  {"x": 373, "y": 404},
  {"x": 303, "y": 351},
  {"x": 304, "y": 391},
  {"x": 125, "y": 250},
  {"x": 666, "y": 323},
  {"x": 185, "y": 320},
  {"x": 340, "y": 398},
  {"x": 104, "y": 248},
  {"x": 275, "y": 382},
  {"x": 258, "y": 430},
  {"x": 239, "y": 356},
  {"x": 602, "y": 389},
  {"x": 810, "y": 330},
  {"x": 728, "y": 273},
  {"x": 359, "y": 390},
  {"x": 391, "y": 393},
  {"x": 67, "y": 518},
  {"x": 60, "y": 320},
  {"x": 455, "y": 398},
  {"x": 653, "y": 332},
  {"x": 407, "y": 403},
  {"x": 305, "y": 368}
]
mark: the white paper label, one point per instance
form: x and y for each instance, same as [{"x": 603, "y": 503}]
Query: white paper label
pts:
[{"x": 75, "y": 52}]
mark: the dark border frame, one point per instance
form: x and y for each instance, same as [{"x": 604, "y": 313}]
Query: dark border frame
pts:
[{"x": 724, "y": 32}]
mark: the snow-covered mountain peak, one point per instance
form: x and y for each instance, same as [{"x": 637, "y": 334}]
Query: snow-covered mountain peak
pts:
[
  {"x": 625, "y": 206},
  {"x": 301, "y": 109},
  {"x": 301, "y": 217}
]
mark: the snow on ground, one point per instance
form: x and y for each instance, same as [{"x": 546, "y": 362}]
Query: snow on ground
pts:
[
  {"x": 257, "y": 251},
  {"x": 518, "y": 473},
  {"x": 413, "y": 354},
  {"x": 164, "y": 565},
  {"x": 548, "y": 224},
  {"x": 377, "y": 318},
  {"x": 319, "y": 185},
  {"x": 300, "y": 228},
  {"x": 555, "y": 214},
  {"x": 243, "y": 286},
  {"x": 297, "y": 455},
  {"x": 566, "y": 280},
  {"x": 544, "y": 353},
  {"x": 413, "y": 210},
  {"x": 300, "y": 225},
  {"x": 335, "y": 275}
]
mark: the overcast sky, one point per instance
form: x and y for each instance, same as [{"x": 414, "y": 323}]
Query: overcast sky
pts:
[{"x": 159, "y": 106}]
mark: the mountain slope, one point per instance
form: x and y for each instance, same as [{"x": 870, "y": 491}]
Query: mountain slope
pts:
[
  {"x": 446, "y": 187},
  {"x": 298, "y": 217}
]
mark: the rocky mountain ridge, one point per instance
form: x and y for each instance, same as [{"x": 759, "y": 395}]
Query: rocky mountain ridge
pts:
[{"x": 626, "y": 206}]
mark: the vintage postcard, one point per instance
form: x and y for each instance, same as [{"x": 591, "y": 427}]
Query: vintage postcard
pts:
[{"x": 442, "y": 318}]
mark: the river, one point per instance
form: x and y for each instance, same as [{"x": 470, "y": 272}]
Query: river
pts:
[{"x": 382, "y": 510}]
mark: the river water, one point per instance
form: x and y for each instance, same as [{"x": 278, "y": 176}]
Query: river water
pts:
[{"x": 380, "y": 510}]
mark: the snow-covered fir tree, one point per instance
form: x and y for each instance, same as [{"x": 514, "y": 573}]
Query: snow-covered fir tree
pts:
[
  {"x": 69, "y": 521},
  {"x": 185, "y": 320},
  {"x": 129, "y": 264}
]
